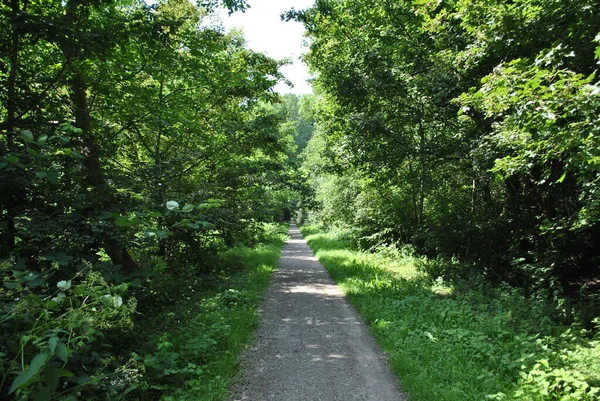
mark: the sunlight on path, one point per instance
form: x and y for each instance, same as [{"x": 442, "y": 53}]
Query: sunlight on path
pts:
[{"x": 311, "y": 344}]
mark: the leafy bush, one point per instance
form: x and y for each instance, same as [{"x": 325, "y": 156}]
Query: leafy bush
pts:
[
  {"x": 53, "y": 338},
  {"x": 463, "y": 339},
  {"x": 195, "y": 325}
]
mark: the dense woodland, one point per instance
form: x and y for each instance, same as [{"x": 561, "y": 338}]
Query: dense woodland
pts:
[
  {"x": 144, "y": 153},
  {"x": 137, "y": 142},
  {"x": 469, "y": 130}
]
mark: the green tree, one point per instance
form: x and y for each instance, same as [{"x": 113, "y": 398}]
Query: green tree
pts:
[
  {"x": 475, "y": 119},
  {"x": 136, "y": 142}
]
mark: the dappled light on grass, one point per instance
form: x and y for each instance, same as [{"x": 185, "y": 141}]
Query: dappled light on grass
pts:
[
  {"x": 201, "y": 354},
  {"x": 466, "y": 343}
]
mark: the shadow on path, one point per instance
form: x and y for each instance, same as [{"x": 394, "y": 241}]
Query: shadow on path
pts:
[{"x": 311, "y": 344}]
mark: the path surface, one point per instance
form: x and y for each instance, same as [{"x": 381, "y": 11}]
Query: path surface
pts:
[{"x": 311, "y": 344}]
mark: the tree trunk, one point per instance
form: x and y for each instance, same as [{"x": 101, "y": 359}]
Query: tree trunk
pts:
[
  {"x": 160, "y": 192},
  {"x": 103, "y": 196},
  {"x": 422, "y": 173},
  {"x": 9, "y": 201}
]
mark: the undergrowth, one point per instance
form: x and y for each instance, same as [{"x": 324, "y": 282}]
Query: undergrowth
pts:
[
  {"x": 196, "y": 325},
  {"x": 463, "y": 341}
]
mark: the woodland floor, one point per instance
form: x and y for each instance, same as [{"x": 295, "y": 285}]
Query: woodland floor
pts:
[{"x": 311, "y": 344}]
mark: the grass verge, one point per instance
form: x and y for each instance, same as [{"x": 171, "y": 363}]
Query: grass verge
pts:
[
  {"x": 461, "y": 342},
  {"x": 201, "y": 324}
]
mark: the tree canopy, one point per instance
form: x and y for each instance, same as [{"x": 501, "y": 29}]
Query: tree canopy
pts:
[
  {"x": 466, "y": 129},
  {"x": 137, "y": 141}
]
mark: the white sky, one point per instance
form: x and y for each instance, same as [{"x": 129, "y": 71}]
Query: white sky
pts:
[{"x": 265, "y": 32}]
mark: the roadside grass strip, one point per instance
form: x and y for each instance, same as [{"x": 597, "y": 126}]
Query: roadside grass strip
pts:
[
  {"x": 461, "y": 342},
  {"x": 193, "y": 345}
]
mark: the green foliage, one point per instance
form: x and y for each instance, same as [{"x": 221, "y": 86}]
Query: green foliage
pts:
[
  {"x": 138, "y": 143},
  {"x": 468, "y": 130},
  {"x": 199, "y": 325},
  {"x": 301, "y": 112},
  {"x": 58, "y": 332},
  {"x": 465, "y": 340}
]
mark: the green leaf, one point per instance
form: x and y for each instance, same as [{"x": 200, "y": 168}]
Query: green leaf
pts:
[
  {"x": 42, "y": 139},
  {"x": 43, "y": 394},
  {"x": 25, "y": 377},
  {"x": 11, "y": 285},
  {"x": 52, "y": 177},
  {"x": 136, "y": 282},
  {"x": 50, "y": 305},
  {"x": 187, "y": 208},
  {"x": 108, "y": 215},
  {"x": 52, "y": 343},
  {"x": 121, "y": 222},
  {"x": 42, "y": 174},
  {"x": 152, "y": 214},
  {"x": 76, "y": 155},
  {"x": 78, "y": 290},
  {"x": 62, "y": 258},
  {"x": 62, "y": 352},
  {"x": 12, "y": 159},
  {"x": 562, "y": 177},
  {"x": 27, "y": 135},
  {"x": 37, "y": 282},
  {"x": 29, "y": 277}
]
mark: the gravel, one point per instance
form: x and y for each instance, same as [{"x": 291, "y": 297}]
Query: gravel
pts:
[{"x": 311, "y": 343}]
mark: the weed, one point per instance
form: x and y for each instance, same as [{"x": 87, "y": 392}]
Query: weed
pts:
[
  {"x": 461, "y": 341},
  {"x": 193, "y": 341}
]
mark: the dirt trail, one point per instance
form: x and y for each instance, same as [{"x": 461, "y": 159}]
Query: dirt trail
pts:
[{"x": 311, "y": 344}]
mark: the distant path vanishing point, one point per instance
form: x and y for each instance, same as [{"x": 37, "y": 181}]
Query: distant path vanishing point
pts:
[{"x": 311, "y": 344}]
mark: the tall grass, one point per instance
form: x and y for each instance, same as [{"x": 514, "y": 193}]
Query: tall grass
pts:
[
  {"x": 461, "y": 342},
  {"x": 193, "y": 342}
]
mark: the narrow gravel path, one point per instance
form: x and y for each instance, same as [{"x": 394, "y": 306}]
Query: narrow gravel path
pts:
[{"x": 311, "y": 344}]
